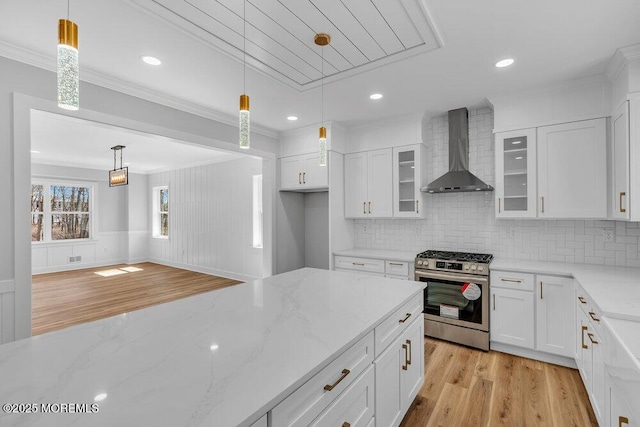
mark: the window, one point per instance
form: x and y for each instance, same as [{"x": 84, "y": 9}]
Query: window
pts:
[
  {"x": 161, "y": 212},
  {"x": 257, "y": 211},
  {"x": 60, "y": 212}
]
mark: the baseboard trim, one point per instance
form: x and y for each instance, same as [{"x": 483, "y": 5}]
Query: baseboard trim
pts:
[
  {"x": 205, "y": 270},
  {"x": 534, "y": 354},
  {"x": 59, "y": 268}
]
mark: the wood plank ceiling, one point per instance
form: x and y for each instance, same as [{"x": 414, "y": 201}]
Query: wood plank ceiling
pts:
[{"x": 280, "y": 33}]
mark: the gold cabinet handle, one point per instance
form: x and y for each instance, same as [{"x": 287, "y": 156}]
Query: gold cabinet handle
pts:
[
  {"x": 584, "y": 328},
  {"x": 540, "y": 289},
  {"x": 345, "y": 372},
  {"x": 511, "y": 280},
  {"x": 494, "y": 302},
  {"x": 499, "y": 204},
  {"x": 299, "y": 178},
  {"x": 405, "y": 319},
  {"x": 582, "y": 300},
  {"x": 623, "y": 420},
  {"x": 358, "y": 263},
  {"x": 395, "y": 263},
  {"x": 304, "y": 180},
  {"x": 409, "y": 352},
  {"x": 542, "y": 204},
  {"x": 622, "y": 194},
  {"x": 593, "y": 316},
  {"x": 404, "y": 367},
  {"x": 417, "y": 209},
  {"x": 364, "y": 207},
  {"x": 369, "y": 207},
  {"x": 346, "y": 424},
  {"x": 591, "y": 339}
]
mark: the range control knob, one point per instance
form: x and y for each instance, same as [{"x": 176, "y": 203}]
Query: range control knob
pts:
[
  {"x": 480, "y": 268},
  {"x": 473, "y": 266}
]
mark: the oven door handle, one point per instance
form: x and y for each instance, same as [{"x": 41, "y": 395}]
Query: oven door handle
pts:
[{"x": 451, "y": 277}]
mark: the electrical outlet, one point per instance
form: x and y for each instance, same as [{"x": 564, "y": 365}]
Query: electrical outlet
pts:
[{"x": 608, "y": 234}]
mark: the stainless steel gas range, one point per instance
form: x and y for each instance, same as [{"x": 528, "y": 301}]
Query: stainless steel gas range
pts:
[{"x": 456, "y": 299}]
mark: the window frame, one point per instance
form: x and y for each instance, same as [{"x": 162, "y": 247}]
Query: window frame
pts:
[
  {"x": 156, "y": 220},
  {"x": 47, "y": 212}
]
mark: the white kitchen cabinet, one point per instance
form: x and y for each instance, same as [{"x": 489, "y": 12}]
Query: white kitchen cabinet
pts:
[
  {"x": 399, "y": 375},
  {"x": 512, "y": 317},
  {"x": 303, "y": 173},
  {"x": 369, "y": 184},
  {"x": 515, "y": 161},
  {"x": 555, "y": 313},
  {"x": 262, "y": 422},
  {"x": 407, "y": 180},
  {"x": 620, "y": 414},
  {"x": 375, "y": 266},
  {"x": 572, "y": 170},
  {"x": 625, "y": 161}
]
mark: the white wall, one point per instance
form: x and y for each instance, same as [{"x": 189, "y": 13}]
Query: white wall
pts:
[
  {"x": 316, "y": 230},
  {"x": 23, "y": 87},
  {"x": 210, "y": 219},
  {"x": 115, "y": 209},
  {"x": 138, "y": 218},
  {"x": 466, "y": 221}
]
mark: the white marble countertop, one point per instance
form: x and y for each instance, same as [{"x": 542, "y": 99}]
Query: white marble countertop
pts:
[
  {"x": 615, "y": 290},
  {"x": 378, "y": 254},
  {"x": 222, "y": 358}
]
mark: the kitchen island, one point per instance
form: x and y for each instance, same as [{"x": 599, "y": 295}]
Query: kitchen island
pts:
[{"x": 222, "y": 358}]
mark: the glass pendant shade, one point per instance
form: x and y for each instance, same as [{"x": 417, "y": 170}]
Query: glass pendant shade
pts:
[
  {"x": 244, "y": 122},
  {"x": 323, "y": 146},
  {"x": 68, "y": 66}
]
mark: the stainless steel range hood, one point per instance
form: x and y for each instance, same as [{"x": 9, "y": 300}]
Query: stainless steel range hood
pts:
[{"x": 458, "y": 178}]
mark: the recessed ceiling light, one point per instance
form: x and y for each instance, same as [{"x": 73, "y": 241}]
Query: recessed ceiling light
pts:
[
  {"x": 151, "y": 60},
  {"x": 292, "y": 118},
  {"x": 376, "y": 96},
  {"x": 519, "y": 158},
  {"x": 504, "y": 63},
  {"x": 214, "y": 347},
  {"x": 35, "y": 152},
  {"x": 100, "y": 397}
]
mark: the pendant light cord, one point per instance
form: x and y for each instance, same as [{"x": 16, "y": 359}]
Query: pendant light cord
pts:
[
  {"x": 322, "y": 90},
  {"x": 68, "y": 1},
  {"x": 244, "y": 46},
  {"x": 114, "y": 159}
]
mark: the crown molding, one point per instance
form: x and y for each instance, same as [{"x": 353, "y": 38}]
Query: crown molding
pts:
[
  {"x": 620, "y": 58},
  {"x": 47, "y": 62}
]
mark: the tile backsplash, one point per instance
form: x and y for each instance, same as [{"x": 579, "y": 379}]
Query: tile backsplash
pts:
[{"x": 467, "y": 222}]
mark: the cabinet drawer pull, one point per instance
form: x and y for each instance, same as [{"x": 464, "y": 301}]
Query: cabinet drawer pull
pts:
[
  {"x": 361, "y": 264},
  {"x": 364, "y": 207},
  {"x": 404, "y": 367},
  {"x": 542, "y": 204},
  {"x": 405, "y": 319},
  {"x": 593, "y": 316},
  {"x": 582, "y": 300},
  {"x": 540, "y": 290},
  {"x": 511, "y": 280},
  {"x": 409, "y": 352},
  {"x": 499, "y": 204},
  {"x": 623, "y": 420},
  {"x": 584, "y": 328},
  {"x": 304, "y": 180},
  {"x": 591, "y": 339},
  {"x": 396, "y": 263},
  {"x": 346, "y": 424},
  {"x": 369, "y": 207},
  {"x": 299, "y": 178},
  {"x": 622, "y": 194},
  {"x": 345, "y": 372},
  {"x": 494, "y": 302},
  {"x": 417, "y": 210}
]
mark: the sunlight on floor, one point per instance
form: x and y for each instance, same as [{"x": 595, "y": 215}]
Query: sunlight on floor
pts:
[
  {"x": 117, "y": 271},
  {"x": 131, "y": 269}
]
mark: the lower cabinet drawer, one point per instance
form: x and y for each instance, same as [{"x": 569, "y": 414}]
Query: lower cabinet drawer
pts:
[
  {"x": 314, "y": 396},
  {"x": 354, "y": 407},
  {"x": 398, "y": 268},
  {"x": 512, "y": 280},
  {"x": 360, "y": 264},
  {"x": 390, "y": 328}
]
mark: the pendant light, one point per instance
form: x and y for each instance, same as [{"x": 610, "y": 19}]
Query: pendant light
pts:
[
  {"x": 322, "y": 39},
  {"x": 120, "y": 176},
  {"x": 68, "y": 67},
  {"x": 245, "y": 121}
]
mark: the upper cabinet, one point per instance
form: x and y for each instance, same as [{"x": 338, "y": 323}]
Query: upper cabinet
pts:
[
  {"x": 368, "y": 184},
  {"x": 625, "y": 158},
  {"x": 572, "y": 170},
  {"x": 557, "y": 171},
  {"x": 303, "y": 173},
  {"x": 515, "y": 190},
  {"x": 407, "y": 180}
]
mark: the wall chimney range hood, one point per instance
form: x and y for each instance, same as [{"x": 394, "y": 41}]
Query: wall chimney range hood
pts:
[{"x": 458, "y": 179}]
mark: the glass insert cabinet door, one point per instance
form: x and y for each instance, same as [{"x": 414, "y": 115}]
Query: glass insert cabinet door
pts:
[
  {"x": 407, "y": 198},
  {"x": 516, "y": 174}
]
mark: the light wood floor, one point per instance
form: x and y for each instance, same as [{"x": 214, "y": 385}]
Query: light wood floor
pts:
[
  {"x": 466, "y": 387},
  {"x": 69, "y": 298}
]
